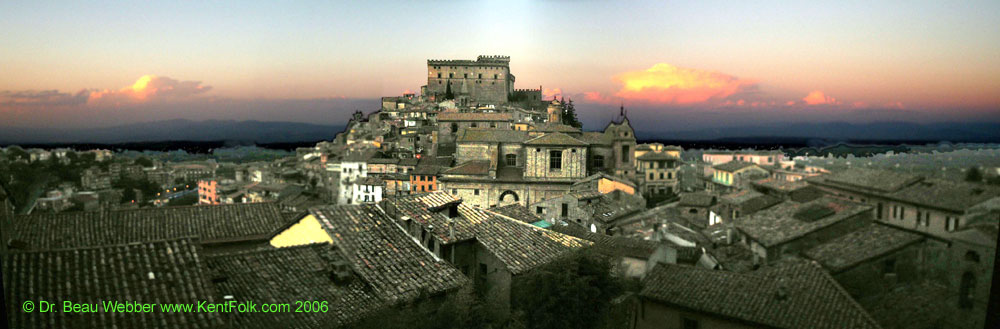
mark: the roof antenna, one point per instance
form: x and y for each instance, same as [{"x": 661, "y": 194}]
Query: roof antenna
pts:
[{"x": 622, "y": 109}]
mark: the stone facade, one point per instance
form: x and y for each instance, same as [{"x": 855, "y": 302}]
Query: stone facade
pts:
[{"x": 487, "y": 80}]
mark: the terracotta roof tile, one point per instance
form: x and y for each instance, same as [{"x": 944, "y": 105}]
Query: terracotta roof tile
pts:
[
  {"x": 168, "y": 271},
  {"x": 793, "y": 296}
]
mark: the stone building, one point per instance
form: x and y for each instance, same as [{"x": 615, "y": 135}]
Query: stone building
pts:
[
  {"x": 932, "y": 206},
  {"x": 487, "y": 80},
  {"x": 879, "y": 258},
  {"x": 500, "y": 167},
  {"x": 734, "y": 175},
  {"x": 658, "y": 172},
  {"x": 790, "y": 228},
  {"x": 450, "y": 123}
]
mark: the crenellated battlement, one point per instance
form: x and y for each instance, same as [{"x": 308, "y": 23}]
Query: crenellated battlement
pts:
[
  {"x": 480, "y": 60},
  {"x": 527, "y": 90}
]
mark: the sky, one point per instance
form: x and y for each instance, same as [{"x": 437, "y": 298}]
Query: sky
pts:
[{"x": 675, "y": 65}]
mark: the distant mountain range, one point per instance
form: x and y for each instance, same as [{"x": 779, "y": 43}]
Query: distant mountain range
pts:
[
  {"x": 177, "y": 130},
  {"x": 973, "y": 132},
  {"x": 292, "y": 132}
]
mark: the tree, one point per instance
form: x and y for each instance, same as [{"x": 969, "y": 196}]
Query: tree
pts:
[
  {"x": 572, "y": 292},
  {"x": 974, "y": 175},
  {"x": 569, "y": 115},
  {"x": 447, "y": 92},
  {"x": 143, "y": 161}
]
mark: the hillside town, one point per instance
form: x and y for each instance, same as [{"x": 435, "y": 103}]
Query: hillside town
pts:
[{"x": 494, "y": 206}]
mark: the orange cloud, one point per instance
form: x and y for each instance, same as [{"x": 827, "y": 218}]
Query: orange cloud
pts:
[
  {"x": 667, "y": 84},
  {"x": 549, "y": 93},
  {"x": 817, "y": 97},
  {"x": 895, "y": 105},
  {"x": 147, "y": 88}
]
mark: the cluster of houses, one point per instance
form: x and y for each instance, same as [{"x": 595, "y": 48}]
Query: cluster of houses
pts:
[{"x": 462, "y": 190}]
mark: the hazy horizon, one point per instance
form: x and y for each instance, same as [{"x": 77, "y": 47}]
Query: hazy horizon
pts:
[{"x": 700, "y": 65}]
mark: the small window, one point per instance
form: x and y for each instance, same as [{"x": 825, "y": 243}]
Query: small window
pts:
[
  {"x": 451, "y": 75},
  {"x": 493, "y": 124},
  {"x": 454, "y": 191},
  {"x": 890, "y": 266},
  {"x": 510, "y": 160},
  {"x": 439, "y": 76},
  {"x": 539, "y": 210},
  {"x": 555, "y": 160},
  {"x": 495, "y": 76},
  {"x": 972, "y": 256},
  {"x": 476, "y": 191},
  {"x": 474, "y": 125},
  {"x": 598, "y": 161},
  {"x": 480, "y": 75},
  {"x": 950, "y": 223},
  {"x": 565, "y": 210}
]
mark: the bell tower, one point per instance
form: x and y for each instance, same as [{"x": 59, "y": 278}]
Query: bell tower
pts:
[{"x": 555, "y": 111}]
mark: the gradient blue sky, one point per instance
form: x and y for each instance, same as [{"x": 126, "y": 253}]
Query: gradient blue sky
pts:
[{"x": 702, "y": 62}]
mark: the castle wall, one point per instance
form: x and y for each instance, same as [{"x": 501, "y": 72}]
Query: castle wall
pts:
[{"x": 487, "y": 80}]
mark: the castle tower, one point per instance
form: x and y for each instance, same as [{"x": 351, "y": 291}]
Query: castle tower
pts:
[{"x": 555, "y": 111}]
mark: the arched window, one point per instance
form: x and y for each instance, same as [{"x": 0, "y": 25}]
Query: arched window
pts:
[
  {"x": 972, "y": 256},
  {"x": 510, "y": 159}
]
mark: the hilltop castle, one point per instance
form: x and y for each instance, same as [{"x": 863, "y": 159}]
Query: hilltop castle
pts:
[{"x": 487, "y": 80}]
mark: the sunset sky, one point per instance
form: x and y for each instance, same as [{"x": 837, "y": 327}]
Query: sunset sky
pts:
[{"x": 674, "y": 64}]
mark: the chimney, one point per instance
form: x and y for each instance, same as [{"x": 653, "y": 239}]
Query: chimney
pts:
[{"x": 451, "y": 228}]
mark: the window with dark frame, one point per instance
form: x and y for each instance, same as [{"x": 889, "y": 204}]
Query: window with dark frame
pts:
[
  {"x": 555, "y": 160},
  {"x": 510, "y": 160}
]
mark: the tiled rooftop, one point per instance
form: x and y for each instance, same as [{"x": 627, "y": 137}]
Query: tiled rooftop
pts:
[
  {"x": 878, "y": 180},
  {"x": 168, "y": 271},
  {"x": 474, "y": 167},
  {"x": 555, "y": 127},
  {"x": 781, "y": 184},
  {"x": 517, "y": 212},
  {"x": 596, "y": 138},
  {"x": 750, "y": 200},
  {"x": 428, "y": 209},
  {"x": 793, "y": 296},
  {"x": 555, "y": 139},
  {"x": 305, "y": 275},
  {"x": 864, "y": 244},
  {"x": 612, "y": 246},
  {"x": 733, "y": 166},
  {"x": 216, "y": 223},
  {"x": 470, "y": 135},
  {"x": 916, "y": 306},
  {"x": 779, "y": 224},
  {"x": 383, "y": 255},
  {"x": 954, "y": 196},
  {"x": 521, "y": 246},
  {"x": 697, "y": 199},
  {"x": 656, "y": 156}
]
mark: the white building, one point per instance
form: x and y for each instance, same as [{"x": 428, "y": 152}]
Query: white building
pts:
[{"x": 367, "y": 190}]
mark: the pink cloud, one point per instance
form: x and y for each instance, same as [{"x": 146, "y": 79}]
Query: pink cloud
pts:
[
  {"x": 149, "y": 88},
  {"x": 550, "y": 93}
]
